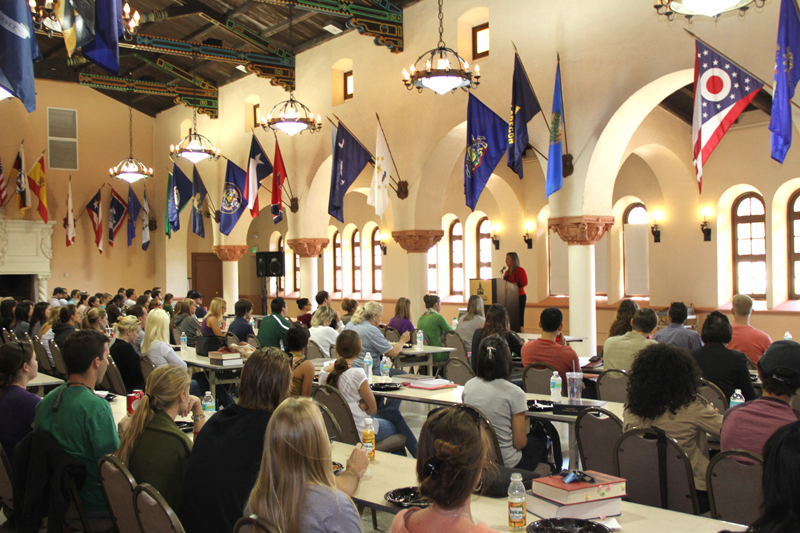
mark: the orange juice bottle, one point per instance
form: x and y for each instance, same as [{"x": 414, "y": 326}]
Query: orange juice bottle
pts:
[{"x": 368, "y": 438}]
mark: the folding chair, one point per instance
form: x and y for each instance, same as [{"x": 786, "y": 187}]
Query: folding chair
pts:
[
  {"x": 597, "y": 430},
  {"x": 612, "y": 386},
  {"x": 118, "y": 487},
  {"x": 734, "y": 487},
  {"x": 536, "y": 379}
]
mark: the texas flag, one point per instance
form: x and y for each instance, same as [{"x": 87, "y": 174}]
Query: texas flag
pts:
[
  {"x": 722, "y": 91},
  {"x": 117, "y": 211},
  {"x": 95, "y": 210},
  {"x": 258, "y": 168}
]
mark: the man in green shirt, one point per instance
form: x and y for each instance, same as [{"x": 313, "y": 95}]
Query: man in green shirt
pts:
[
  {"x": 80, "y": 422},
  {"x": 433, "y": 324},
  {"x": 273, "y": 328}
]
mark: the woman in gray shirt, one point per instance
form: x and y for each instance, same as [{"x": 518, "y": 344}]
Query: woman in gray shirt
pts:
[{"x": 473, "y": 319}]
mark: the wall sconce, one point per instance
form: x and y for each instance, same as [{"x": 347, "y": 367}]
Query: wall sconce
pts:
[
  {"x": 658, "y": 216},
  {"x": 706, "y": 212},
  {"x": 384, "y": 238},
  {"x": 496, "y": 227},
  {"x": 529, "y": 227}
]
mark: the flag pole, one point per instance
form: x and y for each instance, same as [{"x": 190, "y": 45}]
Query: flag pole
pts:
[
  {"x": 356, "y": 138},
  {"x": 538, "y": 152},
  {"x": 383, "y": 132},
  {"x": 541, "y": 110}
]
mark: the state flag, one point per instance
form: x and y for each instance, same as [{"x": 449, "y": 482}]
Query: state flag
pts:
[
  {"x": 379, "y": 188},
  {"x": 117, "y": 210},
  {"x": 146, "y": 222},
  {"x": 486, "y": 144},
  {"x": 787, "y": 74},
  {"x": 95, "y": 210},
  {"x": 199, "y": 193},
  {"x": 37, "y": 184},
  {"x": 179, "y": 195},
  {"x": 70, "y": 222},
  {"x": 524, "y": 106},
  {"x": 555, "y": 162},
  {"x": 103, "y": 50},
  {"x": 18, "y": 51},
  {"x": 22, "y": 194},
  {"x": 258, "y": 168},
  {"x": 278, "y": 175},
  {"x": 134, "y": 208},
  {"x": 233, "y": 203},
  {"x": 349, "y": 159}
]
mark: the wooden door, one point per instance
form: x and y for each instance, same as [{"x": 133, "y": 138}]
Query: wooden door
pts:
[{"x": 207, "y": 276}]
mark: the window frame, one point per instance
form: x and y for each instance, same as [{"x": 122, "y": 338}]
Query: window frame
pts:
[
  {"x": 296, "y": 271},
  {"x": 478, "y": 238},
  {"x": 475, "y": 30},
  {"x": 281, "y": 285},
  {"x": 337, "y": 245},
  {"x": 793, "y": 255},
  {"x": 377, "y": 252},
  {"x": 736, "y": 258},
  {"x": 347, "y": 74},
  {"x": 433, "y": 266},
  {"x": 625, "y": 215},
  {"x": 451, "y": 239},
  {"x": 353, "y": 257}
]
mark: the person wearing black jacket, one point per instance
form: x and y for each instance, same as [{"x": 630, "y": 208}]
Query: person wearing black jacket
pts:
[
  {"x": 496, "y": 324},
  {"x": 124, "y": 354},
  {"x": 70, "y": 323}
]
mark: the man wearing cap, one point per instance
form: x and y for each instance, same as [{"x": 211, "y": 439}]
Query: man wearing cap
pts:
[
  {"x": 676, "y": 334},
  {"x": 750, "y": 425},
  {"x": 59, "y": 297},
  {"x": 747, "y": 339},
  {"x": 201, "y": 311}
]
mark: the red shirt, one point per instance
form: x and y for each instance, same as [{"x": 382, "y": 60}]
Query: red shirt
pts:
[
  {"x": 517, "y": 277},
  {"x": 753, "y": 342},
  {"x": 559, "y": 357}
]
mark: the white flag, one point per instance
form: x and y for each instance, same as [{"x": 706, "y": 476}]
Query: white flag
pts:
[
  {"x": 379, "y": 189},
  {"x": 146, "y": 223},
  {"x": 70, "y": 216}
]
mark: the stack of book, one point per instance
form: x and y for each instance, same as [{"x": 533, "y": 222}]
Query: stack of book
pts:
[
  {"x": 225, "y": 358},
  {"x": 550, "y": 497}
]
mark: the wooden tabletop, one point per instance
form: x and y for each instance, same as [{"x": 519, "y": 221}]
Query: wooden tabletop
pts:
[
  {"x": 43, "y": 380},
  {"x": 190, "y": 357}
]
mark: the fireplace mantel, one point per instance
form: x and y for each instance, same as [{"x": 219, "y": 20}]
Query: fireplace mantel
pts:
[{"x": 26, "y": 248}]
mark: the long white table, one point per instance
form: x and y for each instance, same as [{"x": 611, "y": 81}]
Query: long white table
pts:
[
  {"x": 390, "y": 472},
  {"x": 43, "y": 380},
  {"x": 202, "y": 362},
  {"x": 428, "y": 351}
]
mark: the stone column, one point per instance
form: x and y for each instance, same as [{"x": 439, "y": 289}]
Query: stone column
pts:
[
  {"x": 417, "y": 243},
  {"x": 581, "y": 233},
  {"x": 308, "y": 250},
  {"x": 230, "y": 255},
  {"x": 42, "y": 288}
]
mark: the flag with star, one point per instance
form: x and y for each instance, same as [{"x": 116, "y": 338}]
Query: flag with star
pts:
[
  {"x": 379, "y": 188},
  {"x": 349, "y": 159},
  {"x": 258, "y": 168},
  {"x": 95, "y": 210},
  {"x": 787, "y": 74},
  {"x": 117, "y": 210},
  {"x": 722, "y": 90}
]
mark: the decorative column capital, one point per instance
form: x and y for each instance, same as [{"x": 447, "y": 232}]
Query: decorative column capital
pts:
[
  {"x": 308, "y": 247},
  {"x": 418, "y": 241},
  {"x": 586, "y": 229},
  {"x": 230, "y": 252}
]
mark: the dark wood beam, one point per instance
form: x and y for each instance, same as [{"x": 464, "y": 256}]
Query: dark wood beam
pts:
[{"x": 281, "y": 26}]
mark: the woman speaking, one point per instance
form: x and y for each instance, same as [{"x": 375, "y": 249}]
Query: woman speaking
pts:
[{"x": 516, "y": 275}]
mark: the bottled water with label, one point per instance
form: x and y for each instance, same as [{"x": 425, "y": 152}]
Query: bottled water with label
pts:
[
  {"x": 184, "y": 342},
  {"x": 209, "y": 405},
  {"x": 736, "y": 398},
  {"x": 555, "y": 387},
  {"x": 420, "y": 339},
  {"x": 368, "y": 364},
  {"x": 385, "y": 367}
]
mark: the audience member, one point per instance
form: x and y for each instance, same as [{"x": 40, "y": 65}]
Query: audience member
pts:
[
  {"x": 156, "y": 341},
  {"x": 321, "y": 331},
  {"x": 496, "y": 324},
  {"x": 59, "y": 298},
  {"x": 305, "y": 312},
  {"x": 365, "y": 322},
  {"x": 141, "y": 315},
  {"x": 114, "y": 308},
  {"x": 745, "y": 338},
  {"x": 551, "y": 348},
  {"x": 7, "y": 308},
  {"x": 748, "y": 426},
  {"x": 240, "y": 326},
  {"x": 186, "y": 321},
  {"x": 168, "y": 304},
  {"x": 142, "y": 300},
  {"x": 471, "y": 321},
  {"x": 21, "y": 324},
  {"x": 725, "y": 368},
  {"x": 620, "y": 352},
  {"x": 91, "y": 303},
  {"x": 302, "y": 369},
  {"x": 452, "y": 456},
  {"x": 324, "y": 299},
  {"x": 82, "y": 303},
  {"x": 73, "y": 296},
  {"x": 41, "y": 312},
  {"x": 17, "y": 406},
  {"x": 622, "y": 322},
  {"x": 130, "y": 297},
  {"x": 125, "y": 356},
  {"x": 662, "y": 392},
  {"x": 80, "y": 422},
  {"x": 154, "y": 303},
  {"x": 69, "y": 323},
  {"x": 152, "y": 447},
  {"x": 273, "y": 328},
  {"x": 401, "y": 321},
  {"x": 676, "y": 334},
  {"x": 296, "y": 490},
  {"x": 47, "y": 333},
  {"x": 349, "y": 307},
  {"x": 95, "y": 319},
  {"x": 200, "y": 311},
  {"x": 433, "y": 324},
  {"x": 105, "y": 299},
  {"x": 211, "y": 325}
]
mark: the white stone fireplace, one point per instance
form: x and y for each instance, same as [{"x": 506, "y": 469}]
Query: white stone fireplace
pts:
[{"x": 26, "y": 248}]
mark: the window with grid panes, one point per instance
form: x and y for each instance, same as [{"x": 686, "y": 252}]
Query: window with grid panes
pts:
[
  {"x": 484, "y": 248},
  {"x": 355, "y": 249},
  {"x": 456, "y": 235},
  {"x": 749, "y": 246},
  {"x": 282, "y": 279},
  {"x": 433, "y": 271},
  {"x": 377, "y": 258},
  {"x": 337, "y": 262},
  {"x": 296, "y": 266},
  {"x": 794, "y": 246}
]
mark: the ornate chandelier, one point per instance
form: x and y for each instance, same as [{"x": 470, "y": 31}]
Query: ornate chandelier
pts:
[
  {"x": 445, "y": 70},
  {"x": 291, "y": 117},
  {"x": 44, "y": 18},
  {"x": 130, "y": 169},
  {"x": 194, "y": 147},
  {"x": 706, "y": 8}
]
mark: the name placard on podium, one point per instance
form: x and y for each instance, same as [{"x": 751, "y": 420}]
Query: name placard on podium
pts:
[{"x": 498, "y": 291}]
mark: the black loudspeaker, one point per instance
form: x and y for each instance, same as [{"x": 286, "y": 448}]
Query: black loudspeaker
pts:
[{"x": 269, "y": 264}]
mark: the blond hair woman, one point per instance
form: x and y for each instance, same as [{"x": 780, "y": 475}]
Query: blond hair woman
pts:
[
  {"x": 365, "y": 322},
  {"x": 153, "y": 448},
  {"x": 126, "y": 330},
  {"x": 156, "y": 341},
  {"x": 296, "y": 491},
  {"x": 321, "y": 331},
  {"x": 472, "y": 320},
  {"x": 96, "y": 319},
  {"x": 212, "y": 323}
]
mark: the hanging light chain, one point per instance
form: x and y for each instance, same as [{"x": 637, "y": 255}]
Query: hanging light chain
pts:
[
  {"x": 130, "y": 130},
  {"x": 441, "y": 25}
]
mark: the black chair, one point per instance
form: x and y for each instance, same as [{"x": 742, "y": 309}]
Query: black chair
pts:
[
  {"x": 597, "y": 430},
  {"x": 734, "y": 487}
]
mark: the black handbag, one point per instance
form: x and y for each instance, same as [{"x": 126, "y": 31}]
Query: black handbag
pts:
[{"x": 206, "y": 344}]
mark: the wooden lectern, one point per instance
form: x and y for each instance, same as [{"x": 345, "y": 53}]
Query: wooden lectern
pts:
[{"x": 498, "y": 291}]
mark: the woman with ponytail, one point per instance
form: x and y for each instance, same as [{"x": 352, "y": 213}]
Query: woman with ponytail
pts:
[
  {"x": 96, "y": 319},
  {"x": 124, "y": 354},
  {"x": 451, "y": 461},
  {"x": 17, "y": 406},
  {"x": 152, "y": 447}
]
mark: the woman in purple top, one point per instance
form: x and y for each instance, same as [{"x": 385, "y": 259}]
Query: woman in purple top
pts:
[
  {"x": 17, "y": 406},
  {"x": 402, "y": 316}
]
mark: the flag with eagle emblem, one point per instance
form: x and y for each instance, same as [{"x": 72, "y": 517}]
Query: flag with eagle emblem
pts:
[{"x": 486, "y": 145}]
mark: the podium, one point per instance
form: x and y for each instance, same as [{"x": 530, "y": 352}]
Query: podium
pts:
[{"x": 498, "y": 291}]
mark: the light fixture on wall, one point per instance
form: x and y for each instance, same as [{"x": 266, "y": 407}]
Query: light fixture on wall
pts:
[
  {"x": 528, "y": 238},
  {"x": 658, "y": 216},
  {"x": 706, "y": 212},
  {"x": 705, "y": 8},
  {"x": 194, "y": 147},
  {"x": 130, "y": 169},
  {"x": 445, "y": 70},
  {"x": 496, "y": 228},
  {"x": 384, "y": 240}
]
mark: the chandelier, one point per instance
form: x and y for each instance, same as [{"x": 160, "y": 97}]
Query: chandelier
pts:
[
  {"x": 706, "y": 8},
  {"x": 445, "y": 70},
  {"x": 130, "y": 22},
  {"x": 291, "y": 117},
  {"x": 130, "y": 169},
  {"x": 194, "y": 147},
  {"x": 44, "y": 18}
]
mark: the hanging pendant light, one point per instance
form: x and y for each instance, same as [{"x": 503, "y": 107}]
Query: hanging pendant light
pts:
[
  {"x": 445, "y": 70},
  {"x": 194, "y": 147},
  {"x": 130, "y": 169},
  {"x": 706, "y": 8}
]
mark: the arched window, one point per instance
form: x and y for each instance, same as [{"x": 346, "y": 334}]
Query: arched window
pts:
[
  {"x": 281, "y": 288},
  {"x": 749, "y": 246},
  {"x": 433, "y": 271},
  {"x": 377, "y": 257},
  {"x": 296, "y": 268},
  {"x": 794, "y": 246},
  {"x": 337, "y": 262},
  {"x": 456, "y": 235},
  {"x": 484, "y": 249},
  {"x": 635, "y": 250},
  {"x": 355, "y": 248}
]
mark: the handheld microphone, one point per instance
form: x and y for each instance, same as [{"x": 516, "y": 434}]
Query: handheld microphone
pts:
[{"x": 502, "y": 270}]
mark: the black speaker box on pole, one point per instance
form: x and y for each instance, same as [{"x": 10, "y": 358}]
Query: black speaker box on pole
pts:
[{"x": 269, "y": 264}]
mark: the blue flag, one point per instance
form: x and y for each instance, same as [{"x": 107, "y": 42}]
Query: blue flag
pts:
[
  {"x": 555, "y": 172},
  {"x": 349, "y": 159},
  {"x": 524, "y": 107},
  {"x": 134, "y": 207},
  {"x": 787, "y": 74},
  {"x": 179, "y": 196},
  {"x": 18, "y": 51},
  {"x": 117, "y": 210},
  {"x": 233, "y": 200},
  {"x": 199, "y": 193},
  {"x": 103, "y": 50},
  {"x": 486, "y": 144}
]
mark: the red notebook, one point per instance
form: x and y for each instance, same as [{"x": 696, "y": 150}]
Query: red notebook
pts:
[{"x": 553, "y": 488}]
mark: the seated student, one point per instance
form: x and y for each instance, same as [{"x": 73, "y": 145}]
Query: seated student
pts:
[
  {"x": 47, "y": 334},
  {"x": 156, "y": 341},
  {"x": 321, "y": 331},
  {"x": 211, "y": 325},
  {"x": 41, "y": 312},
  {"x": 114, "y": 308},
  {"x": 745, "y": 338},
  {"x": 748, "y": 426},
  {"x": 152, "y": 447},
  {"x": 95, "y": 319},
  {"x": 365, "y": 322},
  {"x": 620, "y": 352},
  {"x": 80, "y": 422},
  {"x": 273, "y": 328},
  {"x": 324, "y": 299},
  {"x": 472, "y": 320},
  {"x": 305, "y": 311},
  {"x": 241, "y": 324},
  {"x": 551, "y": 347},
  {"x": 452, "y": 456},
  {"x": 349, "y": 307},
  {"x": 17, "y": 406},
  {"x": 401, "y": 321},
  {"x": 7, "y": 308},
  {"x": 69, "y": 323},
  {"x": 302, "y": 369},
  {"x": 187, "y": 322},
  {"x": 622, "y": 320},
  {"x": 496, "y": 324},
  {"x": 59, "y": 297},
  {"x": 725, "y": 368},
  {"x": 433, "y": 323},
  {"x": 130, "y": 297},
  {"x": 126, "y": 331},
  {"x": 663, "y": 392},
  {"x": 22, "y": 319},
  {"x": 675, "y": 334},
  {"x": 503, "y": 403},
  {"x": 82, "y": 302},
  {"x": 296, "y": 490},
  {"x": 351, "y": 380},
  {"x": 168, "y": 303}
]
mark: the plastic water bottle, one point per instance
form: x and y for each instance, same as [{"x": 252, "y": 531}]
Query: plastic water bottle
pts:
[
  {"x": 516, "y": 504},
  {"x": 420, "y": 339},
  {"x": 368, "y": 364},
  {"x": 368, "y": 438},
  {"x": 184, "y": 342},
  {"x": 555, "y": 387},
  {"x": 787, "y": 336},
  {"x": 385, "y": 367},
  {"x": 253, "y": 323},
  {"x": 736, "y": 398},
  {"x": 209, "y": 405},
  {"x": 455, "y": 322}
]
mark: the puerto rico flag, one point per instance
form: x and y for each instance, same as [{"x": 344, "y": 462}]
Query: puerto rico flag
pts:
[
  {"x": 95, "y": 210},
  {"x": 117, "y": 211},
  {"x": 722, "y": 91}
]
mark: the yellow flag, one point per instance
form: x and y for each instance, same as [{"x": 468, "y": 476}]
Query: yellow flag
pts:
[{"x": 37, "y": 185}]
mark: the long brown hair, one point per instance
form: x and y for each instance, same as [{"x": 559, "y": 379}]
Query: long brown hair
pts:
[
  {"x": 348, "y": 345},
  {"x": 403, "y": 308},
  {"x": 266, "y": 378},
  {"x": 91, "y": 318},
  {"x": 496, "y": 321},
  {"x": 622, "y": 322}
]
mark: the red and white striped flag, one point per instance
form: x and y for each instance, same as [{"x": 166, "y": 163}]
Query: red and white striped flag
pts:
[
  {"x": 70, "y": 215},
  {"x": 3, "y": 189}
]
